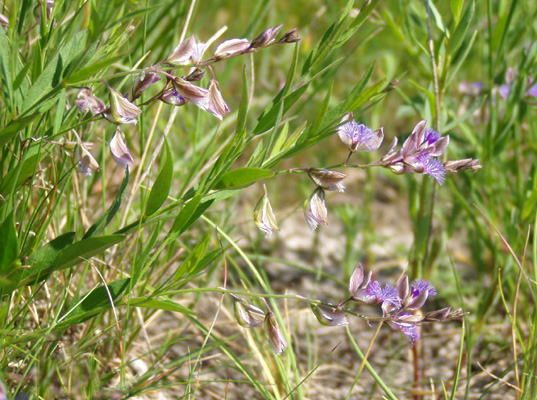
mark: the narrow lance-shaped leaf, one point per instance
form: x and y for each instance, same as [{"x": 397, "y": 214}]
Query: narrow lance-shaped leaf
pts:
[
  {"x": 161, "y": 188},
  {"x": 8, "y": 240},
  {"x": 105, "y": 219}
]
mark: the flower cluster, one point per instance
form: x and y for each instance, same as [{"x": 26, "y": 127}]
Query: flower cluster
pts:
[
  {"x": 419, "y": 153},
  {"x": 400, "y": 304},
  {"x": 177, "y": 91}
]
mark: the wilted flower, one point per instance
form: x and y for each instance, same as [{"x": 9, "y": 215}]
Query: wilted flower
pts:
[
  {"x": 277, "y": 340},
  {"x": 231, "y": 47},
  {"x": 315, "y": 209},
  {"x": 266, "y": 37},
  {"x": 87, "y": 164},
  {"x": 86, "y": 101},
  {"x": 120, "y": 151},
  {"x": 264, "y": 216},
  {"x": 187, "y": 52},
  {"x": 195, "y": 94},
  {"x": 247, "y": 315},
  {"x": 327, "y": 180},
  {"x": 122, "y": 111},
  {"x": 172, "y": 97},
  {"x": 329, "y": 316},
  {"x": 358, "y": 136},
  {"x": 142, "y": 82},
  {"x": 217, "y": 106},
  {"x": 290, "y": 37}
]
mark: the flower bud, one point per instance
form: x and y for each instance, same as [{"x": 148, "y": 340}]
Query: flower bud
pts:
[
  {"x": 290, "y": 37},
  {"x": 120, "y": 151},
  {"x": 4, "y": 21},
  {"x": 327, "y": 180},
  {"x": 438, "y": 315},
  {"x": 277, "y": 340},
  {"x": 231, "y": 48},
  {"x": 329, "y": 316},
  {"x": 217, "y": 106},
  {"x": 418, "y": 301},
  {"x": 356, "y": 279},
  {"x": 461, "y": 165},
  {"x": 247, "y": 315},
  {"x": 142, "y": 82},
  {"x": 264, "y": 216},
  {"x": 315, "y": 210},
  {"x": 196, "y": 75},
  {"x": 182, "y": 54},
  {"x": 122, "y": 111},
  {"x": 266, "y": 37},
  {"x": 86, "y": 101},
  {"x": 173, "y": 97},
  {"x": 87, "y": 164},
  {"x": 403, "y": 289}
]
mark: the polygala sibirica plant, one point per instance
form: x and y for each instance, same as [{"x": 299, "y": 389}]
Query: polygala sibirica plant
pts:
[{"x": 134, "y": 147}]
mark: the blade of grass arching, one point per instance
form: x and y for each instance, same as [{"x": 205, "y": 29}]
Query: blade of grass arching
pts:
[
  {"x": 240, "y": 366},
  {"x": 465, "y": 338},
  {"x": 514, "y": 325},
  {"x": 459, "y": 364},
  {"x": 371, "y": 370},
  {"x": 311, "y": 372},
  {"x": 266, "y": 288},
  {"x": 107, "y": 217}
]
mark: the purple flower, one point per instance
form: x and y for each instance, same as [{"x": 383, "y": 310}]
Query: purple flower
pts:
[
  {"x": 410, "y": 329},
  {"x": 387, "y": 296},
  {"x": 420, "y": 286},
  {"x": 358, "y": 136},
  {"x": 435, "y": 168}
]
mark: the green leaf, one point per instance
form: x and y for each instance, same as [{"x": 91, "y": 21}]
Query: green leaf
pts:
[
  {"x": 166, "y": 305},
  {"x": 17, "y": 176},
  {"x": 44, "y": 257},
  {"x": 243, "y": 107},
  {"x": 51, "y": 77},
  {"x": 93, "y": 303},
  {"x": 278, "y": 144},
  {"x": 456, "y": 9},
  {"x": 161, "y": 188},
  {"x": 459, "y": 34},
  {"x": 6, "y": 74},
  {"x": 60, "y": 109},
  {"x": 105, "y": 219},
  {"x": 9, "y": 244},
  {"x": 192, "y": 260},
  {"x": 15, "y": 127},
  {"x": 91, "y": 70},
  {"x": 85, "y": 249},
  {"x": 242, "y": 177},
  {"x": 185, "y": 214}
]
